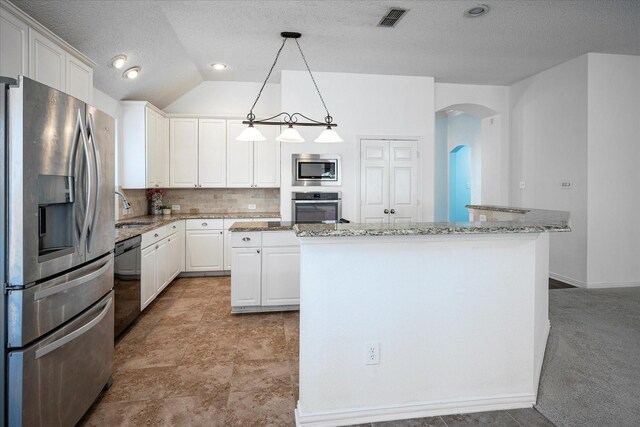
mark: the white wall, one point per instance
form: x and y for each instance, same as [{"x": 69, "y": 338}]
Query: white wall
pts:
[
  {"x": 614, "y": 170},
  {"x": 362, "y": 105},
  {"x": 441, "y": 169},
  {"x": 549, "y": 145},
  {"x": 494, "y": 134},
  {"x": 228, "y": 99}
]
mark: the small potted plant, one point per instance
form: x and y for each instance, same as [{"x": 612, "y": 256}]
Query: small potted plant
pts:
[
  {"x": 166, "y": 210},
  {"x": 154, "y": 195}
]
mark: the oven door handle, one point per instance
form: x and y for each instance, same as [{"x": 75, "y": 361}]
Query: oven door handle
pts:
[
  {"x": 73, "y": 283},
  {"x": 315, "y": 201},
  {"x": 75, "y": 334}
]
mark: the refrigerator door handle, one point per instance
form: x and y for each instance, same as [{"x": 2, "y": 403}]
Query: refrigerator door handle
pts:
[
  {"x": 75, "y": 334},
  {"x": 75, "y": 170},
  {"x": 90, "y": 177},
  {"x": 73, "y": 283},
  {"x": 91, "y": 136}
]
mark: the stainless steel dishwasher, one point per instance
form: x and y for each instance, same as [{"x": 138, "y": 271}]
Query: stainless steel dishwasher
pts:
[{"x": 126, "y": 283}]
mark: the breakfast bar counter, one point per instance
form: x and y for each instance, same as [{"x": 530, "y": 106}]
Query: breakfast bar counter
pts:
[{"x": 402, "y": 321}]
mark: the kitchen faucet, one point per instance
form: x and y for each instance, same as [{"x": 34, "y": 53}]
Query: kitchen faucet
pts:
[{"x": 125, "y": 204}]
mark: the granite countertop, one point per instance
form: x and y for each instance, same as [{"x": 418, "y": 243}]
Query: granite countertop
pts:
[
  {"x": 155, "y": 221},
  {"x": 262, "y": 226},
  {"x": 499, "y": 208},
  {"x": 531, "y": 221}
]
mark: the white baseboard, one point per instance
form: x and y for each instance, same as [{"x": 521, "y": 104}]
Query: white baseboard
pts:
[
  {"x": 587, "y": 285},
  {"x": 612, "y": 285},
  {"x": 418, "y": 410}
]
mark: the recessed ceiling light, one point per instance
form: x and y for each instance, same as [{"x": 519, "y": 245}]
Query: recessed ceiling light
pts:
[
  {"x": 476, "y": 11},
  {"x": 118, "y": 61},
  {"x": 131, "y": 73},
  {"x": 218, "y": 66}
]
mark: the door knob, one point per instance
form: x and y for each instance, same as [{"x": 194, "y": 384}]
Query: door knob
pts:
[
  {"x": 393, "y": 211},
  {"x": 386, "y": 211}
]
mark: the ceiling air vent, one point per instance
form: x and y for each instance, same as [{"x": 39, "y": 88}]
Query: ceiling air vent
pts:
[{"x": 392, "y": 17}]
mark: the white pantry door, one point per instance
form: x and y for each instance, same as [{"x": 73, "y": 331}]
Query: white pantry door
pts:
[{"x": 389, "y": 181}]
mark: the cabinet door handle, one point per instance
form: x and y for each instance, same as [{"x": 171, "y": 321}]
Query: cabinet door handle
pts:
[
  {"x": 174, "y": 227},
  {"x": 195, "y": 185},
  {"x": 246, "y": 239},
  {"x": 393, "y": 211},
  {"x": 386, "y": 211},
  {"x": 168, "y": 240},
  {"x": 155, "y": 235},
  {"x": 156, "y": 246},
  {"x": 258, "y": 251},
  {"x": 156, "y": 185},
  {"x": 204, "y": 224},
  {"x": 221, "y": 232}
]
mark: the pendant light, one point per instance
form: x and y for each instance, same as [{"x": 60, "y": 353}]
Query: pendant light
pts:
[{"x": 295, "y": 119}]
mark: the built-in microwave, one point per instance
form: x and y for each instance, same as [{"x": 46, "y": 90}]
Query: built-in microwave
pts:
[{"x": 315, "y": 169}]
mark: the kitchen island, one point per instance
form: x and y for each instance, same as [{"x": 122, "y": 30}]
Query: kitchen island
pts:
[{"x": 412, "y": 320}]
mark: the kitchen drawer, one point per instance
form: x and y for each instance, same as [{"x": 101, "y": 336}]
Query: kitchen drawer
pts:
[
  {"x": 279, "y": 238},
  {"x": 251, "y": 239},
  {"x": 154, "y": 236},
  {"x": 228, "y": 222},
  {"x": 175, "y": 227},
  {"x": 204, "y": 224}
]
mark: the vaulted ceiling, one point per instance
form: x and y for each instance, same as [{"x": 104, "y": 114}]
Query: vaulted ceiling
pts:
[{"x": 176, "y": 41}]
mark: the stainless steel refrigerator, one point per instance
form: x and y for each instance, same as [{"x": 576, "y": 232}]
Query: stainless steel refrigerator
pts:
[{"x": 57, "y": 254}]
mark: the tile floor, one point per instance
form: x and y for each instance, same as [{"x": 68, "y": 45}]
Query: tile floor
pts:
[{"x": 188, "y": 362}]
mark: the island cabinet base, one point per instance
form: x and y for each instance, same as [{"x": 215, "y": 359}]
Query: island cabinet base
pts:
[{"x": 460, "y": 323}]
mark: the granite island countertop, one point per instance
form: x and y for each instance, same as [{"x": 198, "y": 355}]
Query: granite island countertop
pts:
[
  {"x": 262, "y": 226},
  {"x": 154, "y": 221},
  {"x": 531, "y": 221}
]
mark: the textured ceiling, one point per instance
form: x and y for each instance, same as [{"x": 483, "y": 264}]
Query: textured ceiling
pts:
[{"x": 175, "y": 41}]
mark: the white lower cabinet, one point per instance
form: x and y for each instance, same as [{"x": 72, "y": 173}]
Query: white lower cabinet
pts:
[
  {"x": 161, "y": 260},
  {"x": 204, "y": 245},
  {"x": 281, "y": 275},
  {"x": 148, "y": 276},
  {"x": 266, "y": 270},
  {"x": 246, "y": 276}
]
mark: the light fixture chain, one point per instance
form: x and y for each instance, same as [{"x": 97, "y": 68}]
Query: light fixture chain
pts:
[
  {"x": 250, "y": 115},
  {"x": 314, "y": 81}
]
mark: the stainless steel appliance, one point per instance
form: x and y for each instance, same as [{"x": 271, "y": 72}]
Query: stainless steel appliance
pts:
[
  {"x": 58, "y": 186},
  {"x": 315, "y": 169},
  {"x": 126, "y": 283},
  {"x": 316, "y": 207}
]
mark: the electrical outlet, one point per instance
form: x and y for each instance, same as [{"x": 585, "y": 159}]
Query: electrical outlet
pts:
[
  {"x": 175, "y": 208},
  {"x": 522, "y": 185},
  {"x": 252, "y": 206},
  {"x": 373, "y": 353}
]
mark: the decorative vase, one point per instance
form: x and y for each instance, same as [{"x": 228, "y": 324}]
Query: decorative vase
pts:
[{"x": 156, "y": 202}]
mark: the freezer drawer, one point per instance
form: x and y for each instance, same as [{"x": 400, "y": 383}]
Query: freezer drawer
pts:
[
  {"x": 54, "y": 381},
  {"x": 34, "y": 311}
]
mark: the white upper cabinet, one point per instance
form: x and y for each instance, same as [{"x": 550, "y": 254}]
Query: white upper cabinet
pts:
[
  {"x": 47, "y": 62},
  {"x": 144, "y": 146},
  {"x": 14, "y": 46},
  {"x": 79, "y": 79},
  {"x": 252, "y": 163},
  {"x": 198, "y": 152},
  {"x": 183, "y": 152},
  {"x": 212, "y": 153},
  {"x": 29, "y": 49}
]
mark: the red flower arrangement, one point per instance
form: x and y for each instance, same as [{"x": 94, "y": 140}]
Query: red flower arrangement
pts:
[{"x": 153, "y": 191}]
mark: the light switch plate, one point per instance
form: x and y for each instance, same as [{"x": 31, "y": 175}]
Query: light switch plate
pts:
[{"x": 175, "y": 208}]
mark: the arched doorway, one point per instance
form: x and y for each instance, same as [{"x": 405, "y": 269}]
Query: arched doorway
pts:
[
  {"x": 459, "y": 183},
  {"x": 479, "y": 129}
]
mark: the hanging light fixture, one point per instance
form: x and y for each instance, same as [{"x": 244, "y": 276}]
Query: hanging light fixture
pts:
[{"x": 290, "y": 120}]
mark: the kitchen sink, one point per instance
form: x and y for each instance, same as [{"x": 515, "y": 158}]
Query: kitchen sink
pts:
[{"x": 126, "y": 225}]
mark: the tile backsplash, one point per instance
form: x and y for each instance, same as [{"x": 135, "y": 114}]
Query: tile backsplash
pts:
[{"x": 207, "y": 200}]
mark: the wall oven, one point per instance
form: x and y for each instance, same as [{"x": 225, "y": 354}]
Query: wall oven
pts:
[
  {"x": 315, "y": 169},
  {"x": 316, "y": 207}
]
